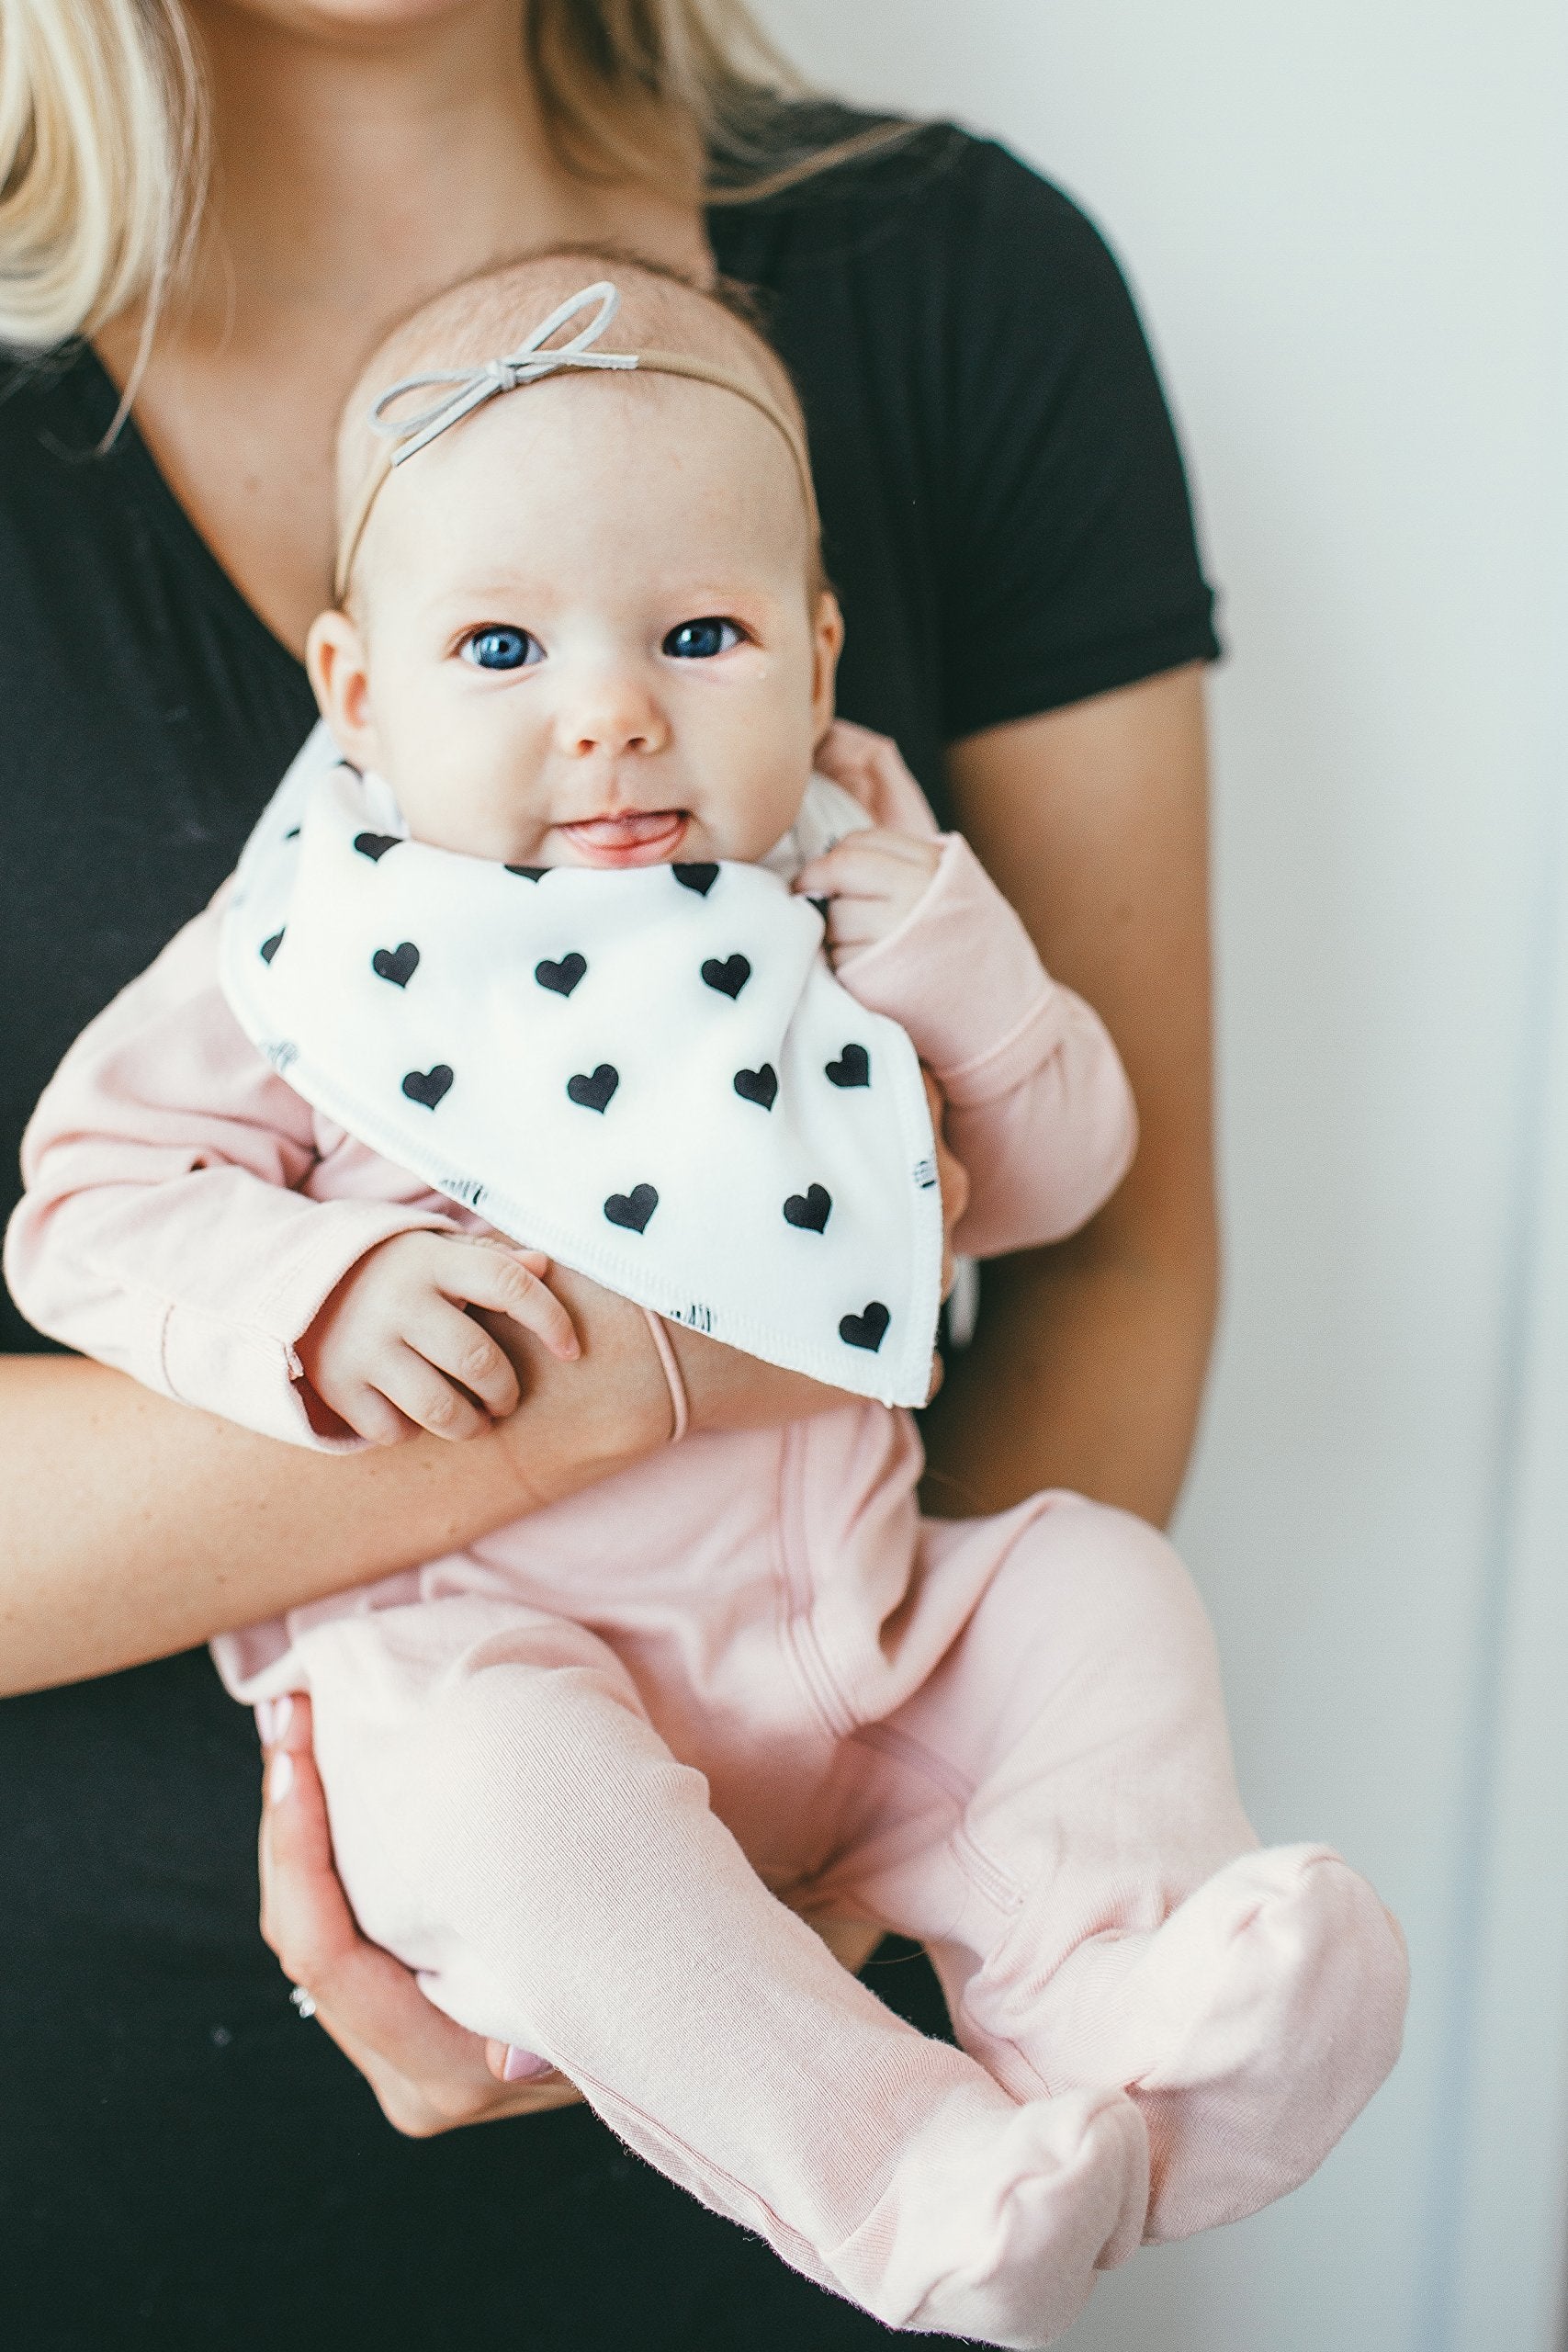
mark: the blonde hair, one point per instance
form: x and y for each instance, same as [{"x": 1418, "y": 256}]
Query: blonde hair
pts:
[{"x": 103, "y": 145}]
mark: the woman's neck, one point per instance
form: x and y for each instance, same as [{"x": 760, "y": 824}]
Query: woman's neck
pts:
[
  {"x": 352, "y": 177},
  {"x": 360, "y": 171}
]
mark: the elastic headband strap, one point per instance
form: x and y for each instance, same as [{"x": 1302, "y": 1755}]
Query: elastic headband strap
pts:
[{"x": 460, "y": 390}]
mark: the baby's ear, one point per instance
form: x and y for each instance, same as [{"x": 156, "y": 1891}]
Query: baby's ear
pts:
[
  {"x": 827, "y": 636},
  {"x": 335, "y": 660}
]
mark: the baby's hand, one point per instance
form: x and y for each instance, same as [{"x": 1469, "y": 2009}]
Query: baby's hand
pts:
[
  {"x": 872, "y": 880},
  {"x": 392, "y": 1346}
]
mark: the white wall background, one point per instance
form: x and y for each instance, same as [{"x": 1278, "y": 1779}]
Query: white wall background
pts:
[{"x": 1346, "y": 228}]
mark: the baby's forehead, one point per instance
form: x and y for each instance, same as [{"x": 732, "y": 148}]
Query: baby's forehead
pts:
[
  {"x": 606, "y": 489},
  {"x": 515, "y": 332},
  {"x": 487, "y": 318}
]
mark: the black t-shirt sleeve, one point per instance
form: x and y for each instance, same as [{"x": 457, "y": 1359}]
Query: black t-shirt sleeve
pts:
[{"x": 1071, "y": 565}]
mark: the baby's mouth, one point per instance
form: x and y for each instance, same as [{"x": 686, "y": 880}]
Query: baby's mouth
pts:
[{"x": 634, "y": 837}]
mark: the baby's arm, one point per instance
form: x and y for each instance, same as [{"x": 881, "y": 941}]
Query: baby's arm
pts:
[
  {"x": 1038, "y": 1110},
  {"x": 161, "y": 1230}
]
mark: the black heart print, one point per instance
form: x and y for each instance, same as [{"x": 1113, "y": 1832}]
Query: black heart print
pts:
[
  {"x": 428, "y": 1086},
  {"x": 759, "y": 1086},
  {"x": 292, "y": 834},
  {"x": 728, "y": 978},
  {"x": 851, "y": 1068},
  {"x": 634, "y": 1208},
  {"x": 375, "y": 845},
  {"x": 269, "y": 947},
  {"x": 810, "y": 1210},
  {"x": 398, "y": 964},
  {"x": 866, "y": 1330},
  {"x": 592, "y": 1092},
  {"x": 529, "y": 873},
  {"x": 700, "y": 879},
  {"x": 562, "y": 978},
  {"x": 822, "y": 906}
]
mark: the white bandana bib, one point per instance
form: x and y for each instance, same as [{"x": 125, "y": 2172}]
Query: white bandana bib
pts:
[{"x": 650, "y": 1072}]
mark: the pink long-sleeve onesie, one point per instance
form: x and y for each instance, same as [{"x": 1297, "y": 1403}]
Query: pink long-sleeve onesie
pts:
[{"x": 587, "y": 1775}]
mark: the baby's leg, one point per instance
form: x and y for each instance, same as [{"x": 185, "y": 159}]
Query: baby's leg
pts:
[
  {"x": 1091, "y": 1890},
  {"x": 506, "y": 1818}
]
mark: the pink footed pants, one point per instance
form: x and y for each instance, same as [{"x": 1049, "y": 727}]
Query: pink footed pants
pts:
[{"x": 1162, "y": 2027}]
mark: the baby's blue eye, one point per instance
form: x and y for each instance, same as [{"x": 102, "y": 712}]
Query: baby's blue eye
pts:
[
  {"x": 700, "y": 640},
  {"x": 502, "y": 648}
]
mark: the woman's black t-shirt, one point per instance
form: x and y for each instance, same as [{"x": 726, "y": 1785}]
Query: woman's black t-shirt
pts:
[{"x": 181, "y": 2161}]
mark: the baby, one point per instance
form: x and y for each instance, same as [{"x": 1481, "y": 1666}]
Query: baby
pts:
[{"x": 570, "y": 934}]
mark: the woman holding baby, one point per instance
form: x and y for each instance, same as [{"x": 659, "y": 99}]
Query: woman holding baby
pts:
[{"x": 1005, "y": 523}]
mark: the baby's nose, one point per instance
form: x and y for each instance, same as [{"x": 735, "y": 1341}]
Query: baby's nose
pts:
[{"x": 615, "y": 717}]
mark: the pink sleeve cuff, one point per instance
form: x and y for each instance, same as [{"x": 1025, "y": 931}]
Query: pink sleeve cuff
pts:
[
  {"x": 961, "y": 973},
  {"x": 244, "y": 1361}
]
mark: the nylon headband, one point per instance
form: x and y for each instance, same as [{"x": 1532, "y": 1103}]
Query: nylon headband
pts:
[{"x": 460, "y": 390}]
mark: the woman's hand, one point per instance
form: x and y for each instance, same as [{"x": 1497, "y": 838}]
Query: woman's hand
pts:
[{"x": 428, "y": 2074}]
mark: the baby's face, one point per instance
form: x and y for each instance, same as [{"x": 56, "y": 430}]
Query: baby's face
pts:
[{"x": 583, "y": 630}]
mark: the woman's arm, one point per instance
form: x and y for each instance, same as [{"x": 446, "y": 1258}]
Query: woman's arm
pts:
[
  {"x": 1090, "y": 1358},
  {"x": 131, "y": 1527}
]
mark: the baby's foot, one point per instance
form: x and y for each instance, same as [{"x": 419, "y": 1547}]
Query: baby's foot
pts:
[
  {"x": 993, "y": 2228},
  {"x": 1287, "y": 1980}
]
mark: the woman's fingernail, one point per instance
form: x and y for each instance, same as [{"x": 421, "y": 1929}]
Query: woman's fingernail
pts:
[
  {"x": 524, "y": 2066},
  {"x": 283, "y": 1716},
  {"x": 281, "y": 1777},
  {"x": 266, "y": 1721}
]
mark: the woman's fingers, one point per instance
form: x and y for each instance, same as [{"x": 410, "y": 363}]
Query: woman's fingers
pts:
[
  {"x": 305, "y": 1917},
  {"x": 426, "y": 2072}
]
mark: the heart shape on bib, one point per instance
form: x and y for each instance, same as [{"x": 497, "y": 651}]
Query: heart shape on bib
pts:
[
  {"x": 633, "y": 1209},
  {"x": 700, "y": 879},
  {"x": 562, "y": 978},
  {"x": 269, "y": 947},
  {"x": 810, "y": 1210},
  {"x": 866, "y": 1330},
  {"x": 728, "y": 978},
  {"x": 851, "y": 1068},
  {"x": 428, "y": 1086},
  {"x": 593, "y": 1092},
  {"x": 758, "y": 1086},
  {"x": 529, "y": 873},
  {"x": 398, "y": 964},
  {"x": 375, "y": 845}
]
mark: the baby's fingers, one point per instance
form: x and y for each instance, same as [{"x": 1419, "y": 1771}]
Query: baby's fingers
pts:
[
  {"x": 871, "y": 866},
  {"x": 508, "y": 1282},
  {"x": 454, "y": 1344},
  {"x": 429, "y": 1399}
]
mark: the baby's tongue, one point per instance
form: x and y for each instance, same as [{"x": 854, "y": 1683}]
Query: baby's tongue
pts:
[{"x": 633, "y": 829}]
